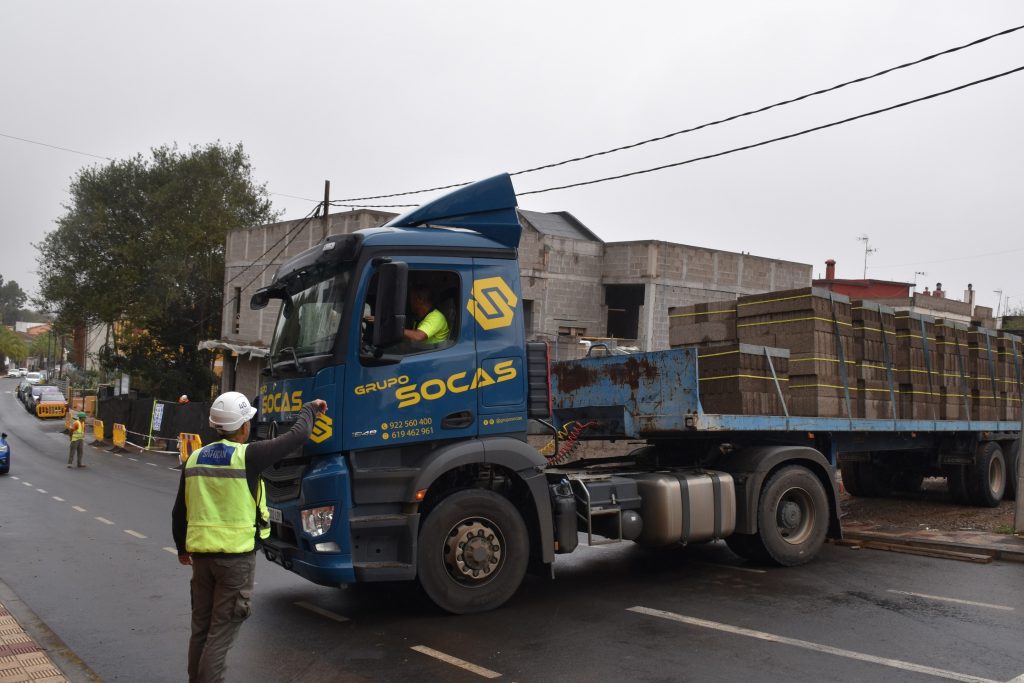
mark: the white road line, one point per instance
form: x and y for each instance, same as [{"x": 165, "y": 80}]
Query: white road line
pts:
[
  {"x": 151, "y": 464},
  {"x": 730, "y": 566},
  {"x": 16, "y": 478},
  {"x": 173, "y": 469},
  {"x": 118, "y": 455},
  {"x": 26, "y": 484},
  {"x": 172, "y": 551},
  {"x": 807, "y": 645},
  {"x": 136, "y": 534},
  {"x": 75, "y": 507},
  {"x": 41, "y": 490},
  {"x": 319, "y": 610},
  {"x": 104, "y": 520},
  {"x": 133, "y": 459},
  {"x": 455, "y": 661},
  {"x": 955, "y": 600},
  {"x": 58, "y": 499}
]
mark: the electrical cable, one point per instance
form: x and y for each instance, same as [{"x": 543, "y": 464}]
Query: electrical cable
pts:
[
  {"x": 46, "y": 144},
  {"x": 711, "y": 123},
  {"x": 772, "y": 140}
]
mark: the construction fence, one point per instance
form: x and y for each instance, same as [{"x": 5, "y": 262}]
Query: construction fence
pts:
[{"x": 156, "y": 425}]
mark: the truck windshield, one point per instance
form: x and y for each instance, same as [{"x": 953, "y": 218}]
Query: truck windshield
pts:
[{"x": 308, "y": 322}]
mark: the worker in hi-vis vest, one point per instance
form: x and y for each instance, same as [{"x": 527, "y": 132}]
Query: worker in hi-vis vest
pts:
[
  {"x": 219, "y": 511},
  {"x": 77, "y": 432}
]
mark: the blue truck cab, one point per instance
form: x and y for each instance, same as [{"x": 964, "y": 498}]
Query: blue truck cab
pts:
[{"x": 412, "y": 427}]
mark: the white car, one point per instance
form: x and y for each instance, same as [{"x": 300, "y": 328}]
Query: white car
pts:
[
  {"x": 22, "y": 372},
  {"x": 13, "y": 372},
  {"x": 34, "y": 377}
]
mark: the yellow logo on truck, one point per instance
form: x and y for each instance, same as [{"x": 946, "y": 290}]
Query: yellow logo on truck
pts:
[
  {"x": 493, "y": 303},
  {"x": 322, "y": 429},
  {"x": 433, "y": 389}
]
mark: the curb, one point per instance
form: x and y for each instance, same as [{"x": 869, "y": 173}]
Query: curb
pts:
[
  {"x": 1012, "y": 549},
  {"x": 36, "y": 652}
]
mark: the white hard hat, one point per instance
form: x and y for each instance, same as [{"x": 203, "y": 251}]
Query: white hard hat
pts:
[{"x": 230, "y": 411}]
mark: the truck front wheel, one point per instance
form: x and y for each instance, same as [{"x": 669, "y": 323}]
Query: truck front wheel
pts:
[
  {"x": 473, "y": 551},
  {"x": 792, "y": 519}
]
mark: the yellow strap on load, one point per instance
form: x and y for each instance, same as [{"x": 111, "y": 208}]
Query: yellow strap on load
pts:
[
  {"x": 772, "y": 379},
  {"x": 772, "y": 301},
  {"x": 827, "y": 360},
  {"x": 720, "y": 353},
  {"x": 794, "y": 320}
]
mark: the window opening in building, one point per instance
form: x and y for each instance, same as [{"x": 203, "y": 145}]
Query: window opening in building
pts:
[{"x": 624, "y": 302}]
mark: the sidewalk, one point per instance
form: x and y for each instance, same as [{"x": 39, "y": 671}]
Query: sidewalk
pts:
[
  {"x": 30, "y": 651},
  {"x": 1007, "y": 547},
  {"x": 21, "y": 659}
]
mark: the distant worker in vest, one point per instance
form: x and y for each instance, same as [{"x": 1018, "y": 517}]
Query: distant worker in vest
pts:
[
  {"x": 183, "y": 399},
  {"x": 218, "y": 515},
  {"x": 431, "y": 325},
  {"x": 77, "y": 439}
]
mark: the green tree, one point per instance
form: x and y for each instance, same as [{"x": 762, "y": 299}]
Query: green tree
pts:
[
  {"x": 12, "y": 349},
  {"x": 12, "y": 298},
  {"x": 141, "y": 248}
]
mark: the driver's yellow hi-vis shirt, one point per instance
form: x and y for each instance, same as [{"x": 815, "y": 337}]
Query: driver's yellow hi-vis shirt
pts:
[{"x": 434, "y": 326}]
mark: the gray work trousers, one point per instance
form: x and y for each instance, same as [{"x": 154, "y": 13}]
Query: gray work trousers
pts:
[
  {"x": 221, "y": 601},
  {"x": 76, "y": 447}
]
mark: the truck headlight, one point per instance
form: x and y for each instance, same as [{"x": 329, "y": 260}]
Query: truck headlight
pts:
[{"x": 317, "y": 521}]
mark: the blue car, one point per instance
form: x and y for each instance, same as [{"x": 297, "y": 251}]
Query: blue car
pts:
[{"x": 5, "y": 455}]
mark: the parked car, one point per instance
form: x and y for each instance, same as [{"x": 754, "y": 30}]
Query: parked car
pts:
[
  {"x": 13, "y": 372},
  {"x": 23, "y": 387},
  {"x": 22, "y": 371},
  {"x": 5, "y": 455},
  {"x": 34, "y": 392},
  {"x": 51, "y": 404},
  {"x": 34, "y": 377}
]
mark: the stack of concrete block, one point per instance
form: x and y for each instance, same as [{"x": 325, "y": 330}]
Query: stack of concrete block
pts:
[
  {"x": 986, "y": 373},
  {"x": 953, "y": 370},
  {"x": 737, "y": 379},
  {"x": 704, "y": 325},
  {"x": 874, "y": 352},
  {"x": 815, "y": 325},
  {"x": 916, "y": 366},
  {"x": 1009, "y": 348}
]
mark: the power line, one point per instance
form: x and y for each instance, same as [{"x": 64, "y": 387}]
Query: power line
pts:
[
  {"x": 46, "y": 144},
  {"x": 711, "y": 123},
  {"x": 772, "y": 140},
  {"x": 951, "y": 260}
]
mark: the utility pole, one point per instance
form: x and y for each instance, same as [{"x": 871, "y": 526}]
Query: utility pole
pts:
[
  {"x": 999, "y": 302},
  {"x": 867, "y": 250}
]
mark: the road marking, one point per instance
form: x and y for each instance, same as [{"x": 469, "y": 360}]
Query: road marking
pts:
[
  {"x": 172, "y": 551},
  {"x": 26, "y": 484},
  {"x": 118, "y": 455},
  {"x": 16, "y": 478},
  {"x": 173, "y": 469},
  {"x": 319, "y": 610},
  {"x": 956, "y": 600},
  {"x": 151, "y": 464},
  {"x": 133, "y": 459},
  {"x": 41, "y": 490},
  {"x": 455, "y": 661},
  {"x": 807, "y": 645},
  {"x": 75, "y": 507},
  {"x": 104, "y": 520},
  {"x": 58, "y": 499},
  {"x": 731, "y": 566},
  {"x": 136, "y": 534}
]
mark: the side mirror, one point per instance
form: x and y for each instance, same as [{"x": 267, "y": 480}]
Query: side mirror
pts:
[
  {"x": 389, "y": 312},
  {"x": 260, "y": 299}
]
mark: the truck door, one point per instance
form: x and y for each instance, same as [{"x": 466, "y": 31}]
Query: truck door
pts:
[
  {"x": 497, "y": 313},
  {"x": 416, "y": 391}
]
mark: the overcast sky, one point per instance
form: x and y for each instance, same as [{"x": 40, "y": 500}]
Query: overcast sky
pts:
[{"x": 385, "y": 97}]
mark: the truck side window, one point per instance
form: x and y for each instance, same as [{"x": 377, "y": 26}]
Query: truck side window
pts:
[{"x": 432, "y": 312}]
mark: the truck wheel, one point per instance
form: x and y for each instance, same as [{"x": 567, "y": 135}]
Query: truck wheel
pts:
[
  {"x": 749, "y": 547},
  {"x": 792, "y": 516},
  {"x": 473, "y": 550},
  {"x": 986, "y": 478},
  {"x": 1012, "y": 456}
]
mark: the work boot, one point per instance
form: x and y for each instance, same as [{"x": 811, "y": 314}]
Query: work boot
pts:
[
  {"x": 81, "y": 465},
  {"x": 69, "y": 465}
]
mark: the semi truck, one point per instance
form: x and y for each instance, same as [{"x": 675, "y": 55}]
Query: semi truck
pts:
[{"x": 422, "y": 470}]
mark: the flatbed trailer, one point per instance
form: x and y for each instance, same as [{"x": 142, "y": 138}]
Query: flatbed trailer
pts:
[{"x": 655, "y": 397}]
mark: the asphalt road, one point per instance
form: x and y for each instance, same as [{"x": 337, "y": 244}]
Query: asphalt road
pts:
[{"x": 89, "y": 551}]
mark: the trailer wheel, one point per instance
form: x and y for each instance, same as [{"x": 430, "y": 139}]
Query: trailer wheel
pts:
[
  {"x": 986, "y": 478},
  {"x": 1012, "y": 456},
  {"x": 792, "y": 516},
  {"x": 473, "y": 550}
]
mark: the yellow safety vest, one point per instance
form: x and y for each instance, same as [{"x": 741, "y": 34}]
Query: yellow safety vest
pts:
[
  {"x": 78, "y": 430},
  {"x": 221, "y": 509}
]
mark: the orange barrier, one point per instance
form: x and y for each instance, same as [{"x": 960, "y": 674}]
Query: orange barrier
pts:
[
  {"x": 120, "y": 436},
  {"x": 53, "y": 410},
  {"x": 186, "y": 444},
  {"x": 97, "y": 430}
]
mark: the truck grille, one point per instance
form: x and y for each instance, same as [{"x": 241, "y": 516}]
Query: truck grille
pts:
[{"x": 284, "y": 479}]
